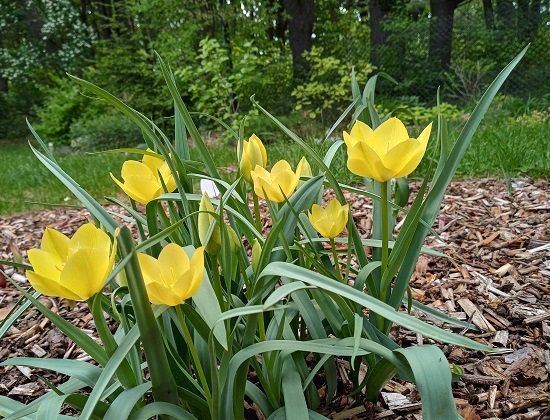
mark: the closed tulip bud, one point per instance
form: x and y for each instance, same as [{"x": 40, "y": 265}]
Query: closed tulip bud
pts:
[
  {"x": 304, "y": 169},
  {"x": 385, "y": 153},
  {"x": 277, "y": 184},
  {"x": 75, "y": 268},
  {"x": 253, "y": 154},
  {"x": 142, "y": 180},
  {"x": 234, "y": 240},
  {"x": 329, "y": 221},
  {"x": 256, "y": 253},
  {"x": 204, "y": 222},
  {"x": 173, "y": 277}
]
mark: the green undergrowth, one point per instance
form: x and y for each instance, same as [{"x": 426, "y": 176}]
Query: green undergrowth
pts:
[{"x": 508, "y": 149}]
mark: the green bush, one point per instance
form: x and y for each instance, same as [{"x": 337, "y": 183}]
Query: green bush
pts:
[
  {"x": 104, "y": 132},
  {"x": 62, "y": 107},
  {"x": 326, "y": 94}
]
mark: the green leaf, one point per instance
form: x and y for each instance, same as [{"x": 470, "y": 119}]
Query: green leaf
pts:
[
  {"x": 384, "y": 310},
  {"x": 159, "y": 408},
  {"x": 433, "y": 379},
  {"x": 295, "y": 403},
  {"x": 122, "y": 406}
]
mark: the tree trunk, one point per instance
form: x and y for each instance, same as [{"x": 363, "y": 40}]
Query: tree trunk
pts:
[
  {"x": 378, "y": 10},
  {"x": 441, "y": 32},
  {"x": 300, "y": 26},
  {"x": 489, "y": 14}
]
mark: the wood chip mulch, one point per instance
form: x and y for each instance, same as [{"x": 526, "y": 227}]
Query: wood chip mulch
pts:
[{"x": 498, "y": 279}]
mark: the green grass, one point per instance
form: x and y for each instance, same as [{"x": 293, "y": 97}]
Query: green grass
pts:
[
  {"x": 498, "y": 149},
  {"x": 25, "y": 181}
]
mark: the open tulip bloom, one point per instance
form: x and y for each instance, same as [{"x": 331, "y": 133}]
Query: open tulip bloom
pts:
[
  {"x": 73, "y": 268},
  {"x": 142, "y": 180},
  {"x": 277, "y": 184},
  {"x": 386, "y": 152},
  {"x": 253, "y": 154},
  {"x": 173, "y": 277}
]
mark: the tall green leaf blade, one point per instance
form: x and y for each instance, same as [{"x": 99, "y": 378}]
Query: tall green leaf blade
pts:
[
  {"x": 122, "y": 406},
  {"x": 437, "y": 189},
  {"x": 433, "y": 379},
  {"x": 384, "y": 310},
  {"x": 295, "y": 403}
]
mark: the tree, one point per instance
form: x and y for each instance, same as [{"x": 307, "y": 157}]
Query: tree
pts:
[
  {"x": 378, "y": 11},
  {"x": 441, "y": 32},
  {"x": 300, "y": 26}
]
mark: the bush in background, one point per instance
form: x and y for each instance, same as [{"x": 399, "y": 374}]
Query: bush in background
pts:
[{"x": 104, "y": 132}]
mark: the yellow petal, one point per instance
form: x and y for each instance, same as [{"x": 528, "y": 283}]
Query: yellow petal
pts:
[
  {"x": 173, "y": 263},
  {"x": 390, "y": 133},
  {"x": 364, "y": 161},
  {"x": 162, "y": 295},
  {"x": 361, "y": 131},
  {"x": 425, "y": 135},
  {"x": 349, "y": 140},
  {"x": 154, "y": 163},
  {"x": 149, "y": 268},
  {"x": 88, "y": 235},
  {"x": 258, "y": 143},
  {"x": 55, "y": 243},
  {"x": 142, "y": 189},
  {"x": 414, "y": 159},
  {"x": 45, "y": 264},
  {"x": 50, "y": 287},
  {"x": 84, "y": 272}
]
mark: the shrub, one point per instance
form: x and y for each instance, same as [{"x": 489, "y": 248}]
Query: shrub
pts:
[{"x": 104, "y": 132}]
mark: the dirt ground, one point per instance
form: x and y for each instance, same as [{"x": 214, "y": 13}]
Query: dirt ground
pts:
[{"x": 498, "y": 236}]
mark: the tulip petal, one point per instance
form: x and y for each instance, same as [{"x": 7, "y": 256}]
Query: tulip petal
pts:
[
  {"x": 88, "y": 235},
  {"x": 142, "y": 189},
  {"x": 153, "y": 163},
  {"x": 162, "y": 295},
  {"x": 50, "y": 287},
  {"x": 149, "y": 268},
  {"x": 363, "y": 161},
  {"x": 173, "y": 263},
  {"x": 425, "y": 135},
  {"x": 404, "y": 158},
  {"x": 45, "y": 264},
  {"x": 55, "y": 243},
  {"x": 361, "y": 131},
  {"x": 84, "y": 272},
  {"x": 389, "y": 134}
]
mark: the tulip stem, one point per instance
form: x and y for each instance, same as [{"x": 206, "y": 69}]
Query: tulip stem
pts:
[
  {"x": 335, "y": 257},
  {"x": 385, "y": 236},
  {"x": 196, "y": 361},
  {"x": 257, "y": 215}
]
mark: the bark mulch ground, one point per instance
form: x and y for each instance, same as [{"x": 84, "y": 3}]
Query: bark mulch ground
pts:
[{"x": 498, "y": 236}]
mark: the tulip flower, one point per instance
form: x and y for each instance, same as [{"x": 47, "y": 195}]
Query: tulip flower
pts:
[
  {"x": 385, "y": 153},
  {"x": 256, "y": 254},
  {"x": 142, "y": 180},
  {"x": 75, "y": 268},
  {"x": 304, "y": 169},
  {"x": 204, "y": 222},
  {"x": 253, "y": 154},
  {"x": 329, "y": 221},
  {"x": 173, "y": 277},
  {"x": 277, "y": 184}
]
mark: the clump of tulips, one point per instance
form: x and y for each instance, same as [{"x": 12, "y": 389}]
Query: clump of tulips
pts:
[{"x": 200, "y": 294}]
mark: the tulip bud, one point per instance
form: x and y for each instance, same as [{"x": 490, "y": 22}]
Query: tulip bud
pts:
[
  {"x": 256, "y": 253},
  {"x": 303, "y": 169},
  {"x": 17, "y": 257},
  {"x": 204, "y": 222},
  {"x": 234, "y": 240},
  {"x": 253, "y": 155}
]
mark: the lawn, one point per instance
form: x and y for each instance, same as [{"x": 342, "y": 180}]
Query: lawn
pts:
[{"x": 501, "y": 149}]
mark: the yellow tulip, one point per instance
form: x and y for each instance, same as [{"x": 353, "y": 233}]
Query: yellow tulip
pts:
[
  {"x": 75, "y": 268},
  {"x": 253, "y": 154},
  {"x": 304, "y": 169},
  {"x": 173, "y": 277},
  {"x": 385, "y": 153},
  {"x": 204, "y": 222},
  {"x": 142, "y": 181},
  {"x": 329, "y": 221},
  {"x": 277, "y": 184}
]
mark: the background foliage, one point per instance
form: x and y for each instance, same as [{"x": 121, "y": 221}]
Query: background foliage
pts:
[{"x": 224, "y": 52}]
